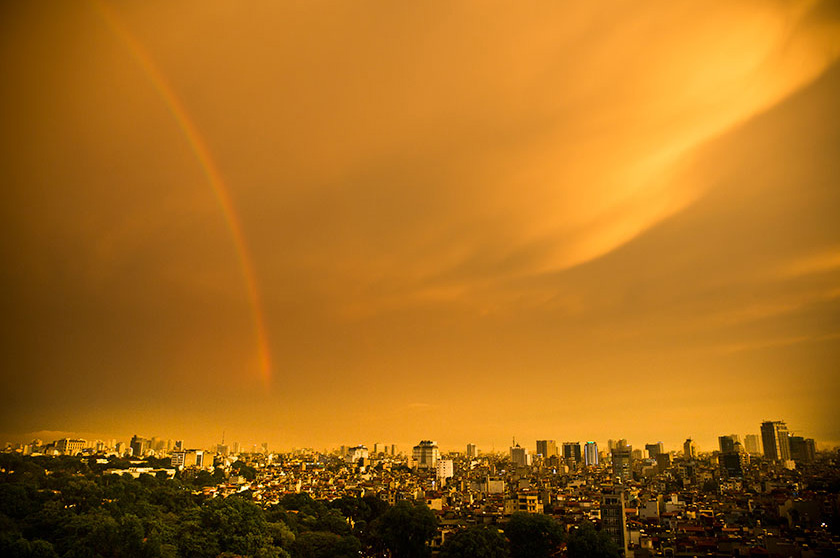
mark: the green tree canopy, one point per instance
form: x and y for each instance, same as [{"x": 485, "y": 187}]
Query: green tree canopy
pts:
[
  {"x": 406, "y": 529},
  {"x": 321, "y": 544},
  {"x": 586, "y": 542},
  {"x": 534, "y": 535},
  {"x": 479, "y": 541}
]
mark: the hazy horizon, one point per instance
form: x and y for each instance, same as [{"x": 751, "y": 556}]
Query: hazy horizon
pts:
[{"x": 404, "y": 447}]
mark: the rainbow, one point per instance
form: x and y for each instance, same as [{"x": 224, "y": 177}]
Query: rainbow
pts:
[{"x": 211, "y": 172}]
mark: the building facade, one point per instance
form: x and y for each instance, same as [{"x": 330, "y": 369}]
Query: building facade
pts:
[
  {"x": 520, "y": 456},
  {"x": 546, "y": 448},
  {"x": 590, "y": 454},
  {"x": 689, "y": 449},
  {"x": 654, "y": 449},
  {"x": 622, "y": 461},
  {"x": 571, "y": 452},
  {"x": 775, "y": 440},
  {"x": 613, "y": 520},
  {"x": 426, "y": 454}
]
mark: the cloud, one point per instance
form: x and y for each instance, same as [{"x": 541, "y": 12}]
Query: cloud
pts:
[{"x": 563, "y": 194}]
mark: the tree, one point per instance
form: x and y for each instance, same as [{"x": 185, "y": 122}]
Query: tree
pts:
[
  {"x": 476, "y": 542},
  {"x": 406, "y": 529},
  {"x": 246, "y": 471},
  {"x": 533, "y": 535},
  {"x": 229, "y": 524},
  {"x": 41, "y": 549},
  {"x": 320, "y": 544},
  {"x": 280, "y": 534},
  {"x": 586, "y": 542}
]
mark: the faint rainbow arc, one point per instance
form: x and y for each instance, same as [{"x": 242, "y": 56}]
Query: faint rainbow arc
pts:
[{"x": 211, "y": 172}]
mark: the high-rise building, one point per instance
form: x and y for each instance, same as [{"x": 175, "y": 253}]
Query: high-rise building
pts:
[
  {"x": 774, "y": 438},
  {"x": 571, "y": 451},
  {"x": 426, "y": 454},
  {"x": 613, "y": 520},
  {"x": 690, "y": 449},
  {"x": 751, "y": 444},
  {"x": 727, "y": 443},
  {"x": 546, "y": 448},
  {"x": 472, "y": 451},
  {"x": 590, "y": 454},
  {"x": 622, "y": 463},
  {"x": 654, "y": 449},
  {"x": 802, "y": 450},
  {"x": 732, "y": 463},
  {"x": 520, "y": 456},
  {"x": 663, "y": 462}
]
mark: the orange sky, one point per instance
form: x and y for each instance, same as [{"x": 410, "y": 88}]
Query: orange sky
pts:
[{"x": 317, "y": 224}]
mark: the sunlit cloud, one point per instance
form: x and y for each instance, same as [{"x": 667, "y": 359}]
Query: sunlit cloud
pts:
[{"x": 436, "y": 199}]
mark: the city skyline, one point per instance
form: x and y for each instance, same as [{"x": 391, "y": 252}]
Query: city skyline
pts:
[
  {"x": 403, "y": 447},
  {"x": 401, "y": 222}
]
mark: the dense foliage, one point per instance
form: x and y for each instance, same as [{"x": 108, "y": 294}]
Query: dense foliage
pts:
[
  {"x": 63, "y": 507},
  {"x": 476, "y": 542},
  {"x": 586, "y": 542},
  {"x": 534, "y": 536}
]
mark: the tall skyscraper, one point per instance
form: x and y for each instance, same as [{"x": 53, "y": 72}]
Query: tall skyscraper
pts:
[
  {"x": 775, "y": 439},
  {"x": 472, "y": 451},
  {"x": 751, "y": 444},
  {"x": 590, "y": 454},
  {"x": 571, "y": 451},
  {"x": 690, "y": 449},
  {"x": 726, "y": 443},
  {"x": 520, "y": 456},
  {"x": 654, "y": 449},
  {"x": 622, "y": 463},
  {"x": 546, "y": 448},
  {"x": 426, "y": 454},
  {"x": 802, "y": 450},
  {"x": 732, "y": 463}
]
